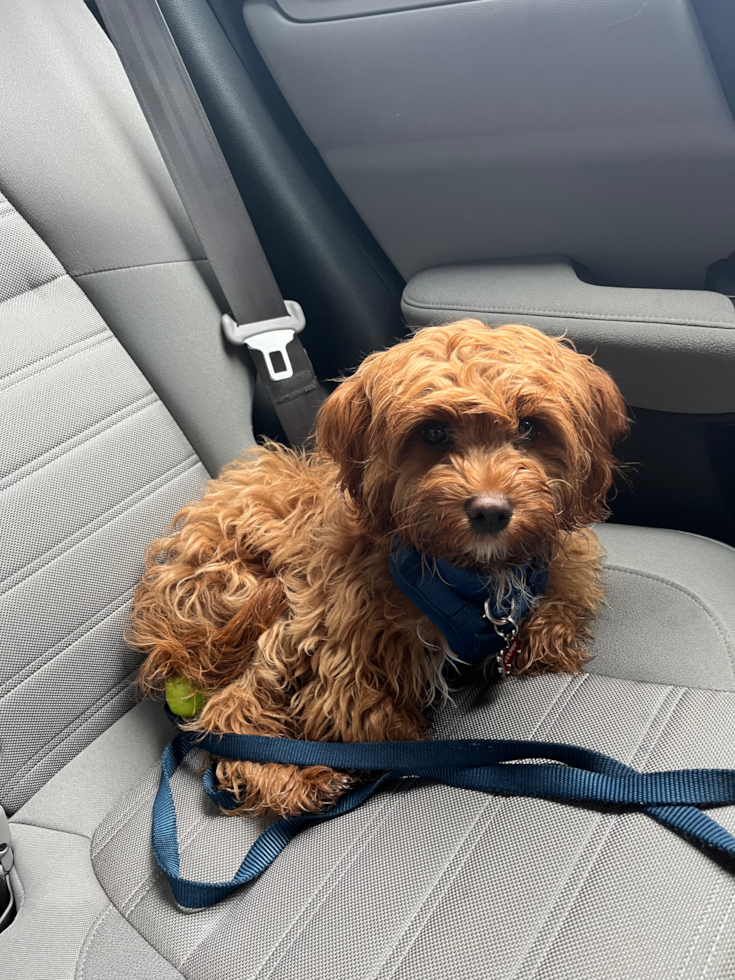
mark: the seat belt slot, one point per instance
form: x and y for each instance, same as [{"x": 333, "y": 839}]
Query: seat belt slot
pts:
[
  {"x": 270, "y": 337},
  {"x": 7, "y": 901},
  {"x": 6, "y": 842}
]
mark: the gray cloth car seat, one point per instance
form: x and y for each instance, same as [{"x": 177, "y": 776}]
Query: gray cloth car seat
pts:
[{"x": 114, "y": 384}]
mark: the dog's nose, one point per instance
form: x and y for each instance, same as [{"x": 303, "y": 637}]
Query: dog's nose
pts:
[{"x": 489, "y": 513}]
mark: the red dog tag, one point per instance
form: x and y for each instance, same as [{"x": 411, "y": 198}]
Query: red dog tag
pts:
[{"x": 509, "y": 656}]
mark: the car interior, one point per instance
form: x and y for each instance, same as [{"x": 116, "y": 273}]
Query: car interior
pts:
[{"x": 558, "y": 163}]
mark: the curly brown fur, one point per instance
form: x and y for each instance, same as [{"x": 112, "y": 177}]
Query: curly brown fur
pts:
[{"x": 273, "y": 592}]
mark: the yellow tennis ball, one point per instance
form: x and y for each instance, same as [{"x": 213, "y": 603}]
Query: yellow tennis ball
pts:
[{"x": 183, "y": 698}]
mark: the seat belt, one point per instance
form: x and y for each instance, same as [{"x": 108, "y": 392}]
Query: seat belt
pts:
[
  {"x": 259, "y": 317},
  {"x": 672, "y": 798}
]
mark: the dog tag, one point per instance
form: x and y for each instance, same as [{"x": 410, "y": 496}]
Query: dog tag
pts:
[{"x": 509, "y": 655}]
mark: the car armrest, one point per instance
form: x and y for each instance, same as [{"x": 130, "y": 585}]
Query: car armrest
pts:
[{"x": 669, "y": 350}]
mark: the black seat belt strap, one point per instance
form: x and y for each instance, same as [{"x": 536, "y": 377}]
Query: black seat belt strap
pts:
[{"x": 260, "y": 318}]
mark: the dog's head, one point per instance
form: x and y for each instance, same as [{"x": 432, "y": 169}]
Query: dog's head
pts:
[{"x": 478, "y": 445}]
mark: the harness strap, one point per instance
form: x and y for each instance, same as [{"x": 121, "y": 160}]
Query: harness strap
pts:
[
  {"x": 464, "y": 604},
  {"x": 672, "y": 797}
]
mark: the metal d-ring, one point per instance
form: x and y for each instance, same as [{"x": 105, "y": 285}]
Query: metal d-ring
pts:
[
  {"x": 500, "y": 622},
  {"x": 506, "y": 629}
]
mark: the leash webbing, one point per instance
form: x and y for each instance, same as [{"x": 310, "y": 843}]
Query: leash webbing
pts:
[{"x": 584, "y": 776}]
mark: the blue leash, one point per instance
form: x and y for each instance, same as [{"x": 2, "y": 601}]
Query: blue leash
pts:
[
  {"x": 671, "y": 798},
  {"x": 477, "y": 625}
]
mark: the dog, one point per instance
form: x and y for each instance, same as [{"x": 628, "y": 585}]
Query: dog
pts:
[{"x": 481, "y": 447}]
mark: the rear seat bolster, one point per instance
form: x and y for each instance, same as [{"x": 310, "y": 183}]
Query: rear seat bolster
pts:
[{"x": 92, "y": 467}]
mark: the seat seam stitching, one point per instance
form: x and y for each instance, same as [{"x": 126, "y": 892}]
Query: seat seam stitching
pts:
[
  {"x": 378, "y": 816},
  {"x": 635, "y": 762},
  {"x": 716, "y": 943},
  {"x": 129, "y": 811},
  {"x": 49, "y": 356},
  {"x": 439, "y": 888},
  {"x": 604, "y": 828},
  {"x": 27, "y": 823},
  {"x": 82, "y": 969},
  {"x": 57, "y": 650},
  {"x": 86, "y": 435},
  {"x": 28, "y": 768},
  {"x": 697, "y": 936},
  {"x": 318, "y": 897},
  {"x": 697, "y": 599},
  {"x": 133, "y": 900},
  {"x": 105, "y": 339},
  {"x": 32, "y": 289},
  {"x": 125, "y": 812},
  {"x": 122, "y": 507},
  {"x": 677, "y": 696},
  {"x": 561, "y": 703},
  {"x": 491, "y": 811},
  {"x": 149, "y": 882},
  {"x": 141, "y": 265},
  {"x": 65, "y": 733}
]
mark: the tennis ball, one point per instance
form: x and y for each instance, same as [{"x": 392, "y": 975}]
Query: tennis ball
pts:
[{"x": 183, "y": 698}]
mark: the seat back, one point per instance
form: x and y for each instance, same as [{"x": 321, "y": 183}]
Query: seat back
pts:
[{"x": 109, "y": 347}]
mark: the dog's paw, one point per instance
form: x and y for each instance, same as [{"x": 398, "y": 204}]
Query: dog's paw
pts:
[
  {"x": 552, "y": 643},
  {"x": 286, "y": 791}
]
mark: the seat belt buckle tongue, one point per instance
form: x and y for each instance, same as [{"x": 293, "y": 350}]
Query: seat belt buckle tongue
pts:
[{"x": 270, "y": 337}]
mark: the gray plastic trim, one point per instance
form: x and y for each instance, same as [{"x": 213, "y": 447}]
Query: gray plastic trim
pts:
[{"x": 309, "y": 11}]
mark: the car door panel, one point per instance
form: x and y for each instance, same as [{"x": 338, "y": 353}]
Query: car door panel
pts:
[{"x": 512, "y": 128}]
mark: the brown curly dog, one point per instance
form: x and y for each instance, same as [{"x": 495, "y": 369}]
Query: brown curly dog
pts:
[{"x": 273, "y": 594}]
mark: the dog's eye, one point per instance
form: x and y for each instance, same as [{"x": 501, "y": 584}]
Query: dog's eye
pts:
[
  {"x": 527, "y": 430},
  {"x": 436, "y": 433}
]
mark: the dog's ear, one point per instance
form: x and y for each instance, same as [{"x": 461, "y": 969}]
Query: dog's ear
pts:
[
  {"x": 342, "y": 430},
  {"x": 606, "y": 423}
]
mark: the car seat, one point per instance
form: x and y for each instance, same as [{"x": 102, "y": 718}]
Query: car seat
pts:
[{"x": 118, "y": 398}]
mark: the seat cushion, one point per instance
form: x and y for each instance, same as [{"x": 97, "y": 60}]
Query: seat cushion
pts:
[
  {"x": 429, "y": 881},
  {"x": 60, "y": 900},
  {"x": 670, "y": 611}
]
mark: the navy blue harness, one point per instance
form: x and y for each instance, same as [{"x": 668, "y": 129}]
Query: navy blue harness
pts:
[
  {"x": 476, "y": 621},
  {"x": 476, "y": 625}
]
